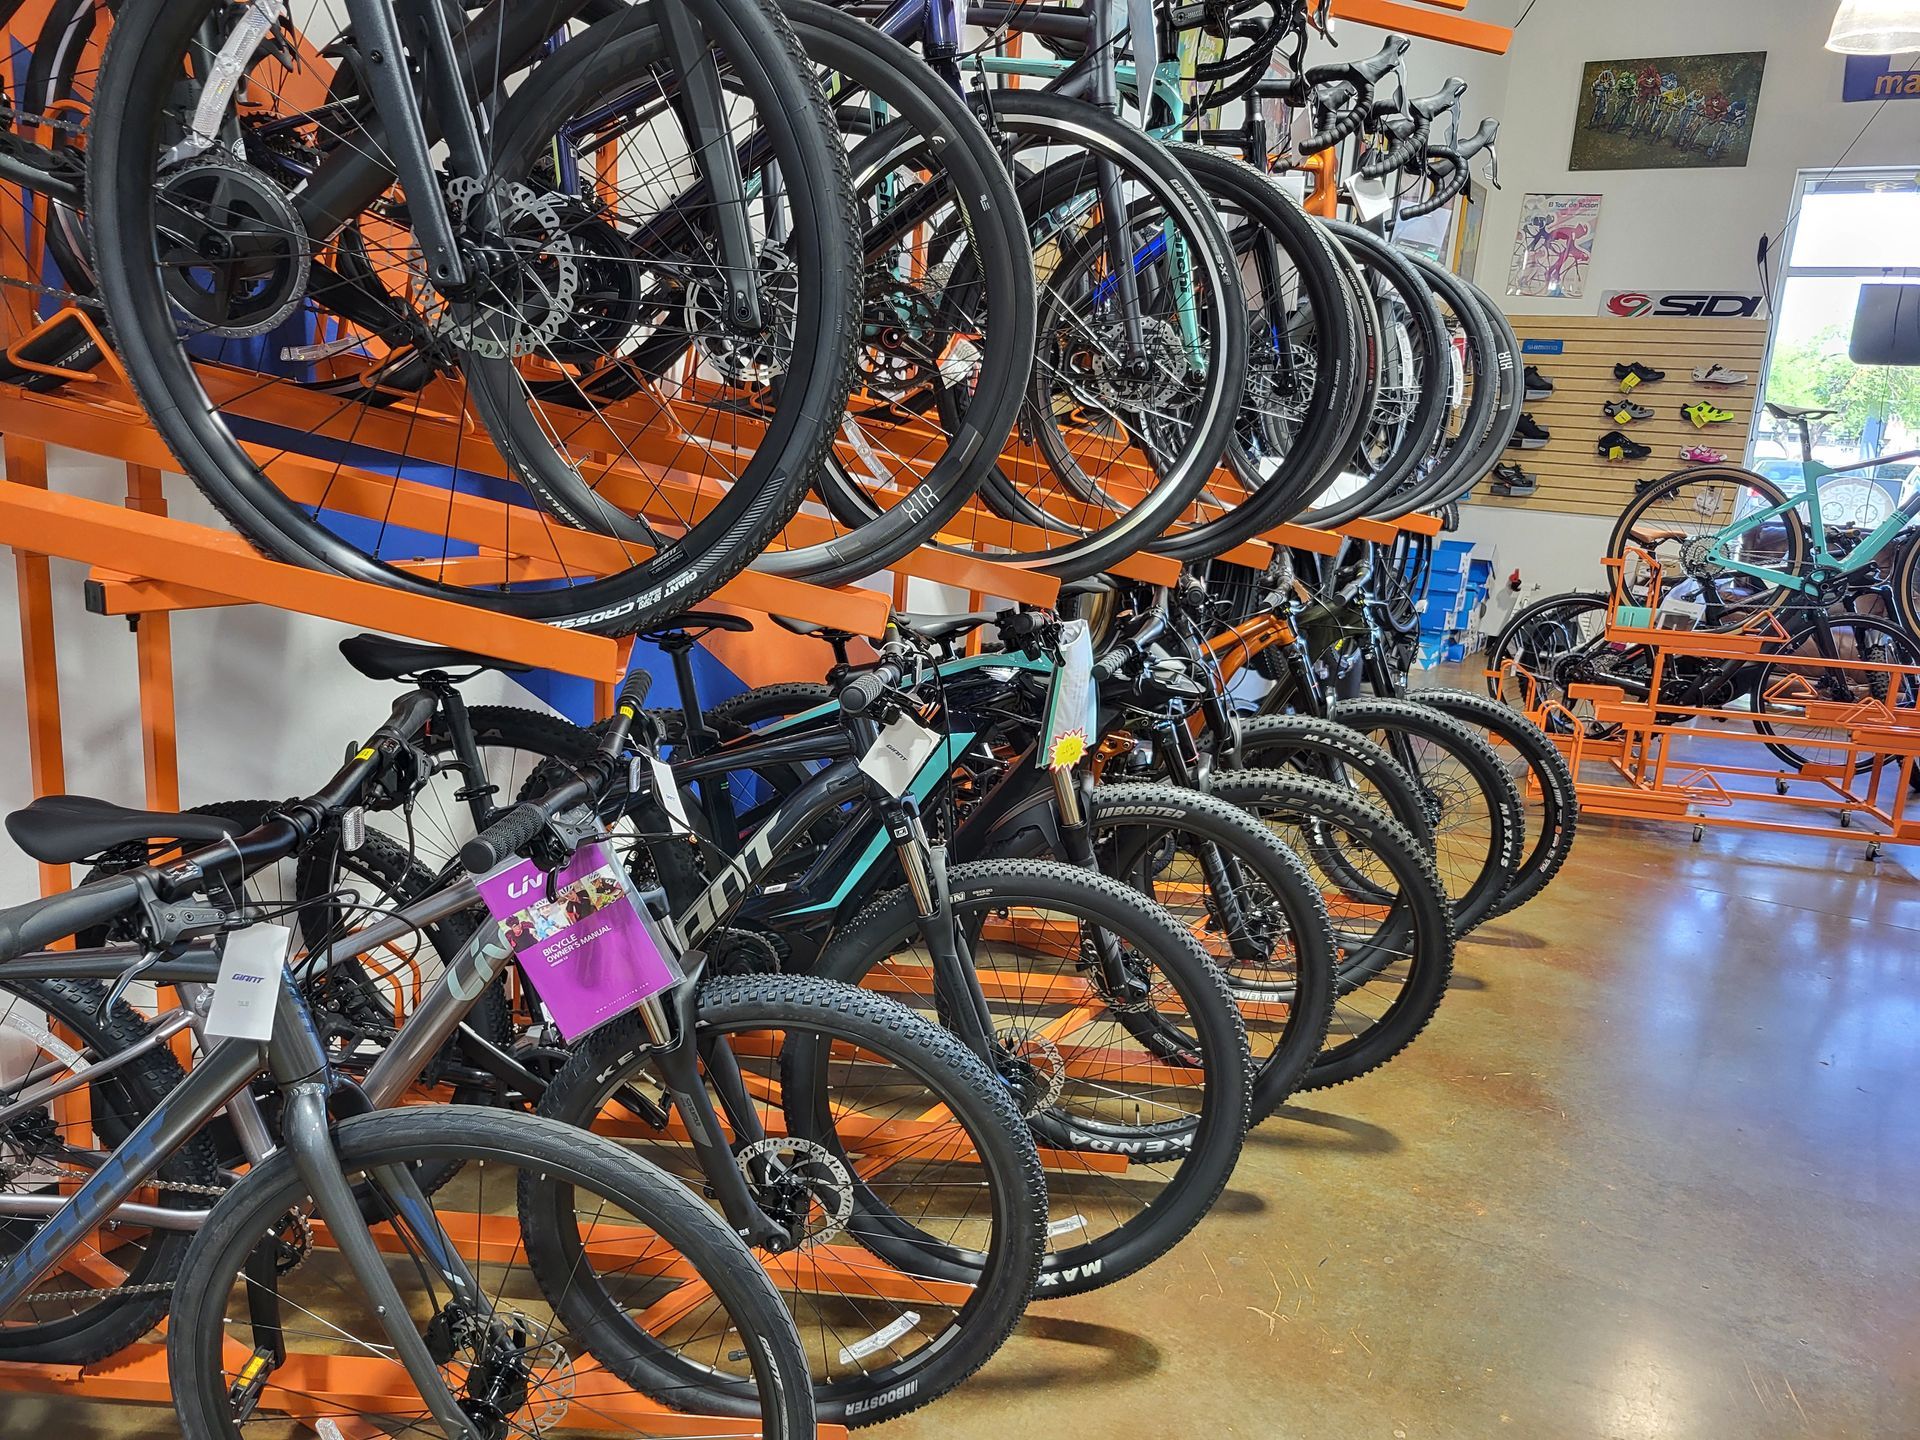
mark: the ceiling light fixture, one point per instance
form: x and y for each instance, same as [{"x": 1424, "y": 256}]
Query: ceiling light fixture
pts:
[{"x": 1876, "y": 27}]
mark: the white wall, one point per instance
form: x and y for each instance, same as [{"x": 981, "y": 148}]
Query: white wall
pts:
[
  {"x": 1679, "y": 229},
  {"x": 1663, "y": 229},
  {"x": 265, "y": 703}
]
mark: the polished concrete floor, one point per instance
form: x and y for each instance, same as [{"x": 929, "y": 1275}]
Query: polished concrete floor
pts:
[{"x": 1653, "y": 1172}]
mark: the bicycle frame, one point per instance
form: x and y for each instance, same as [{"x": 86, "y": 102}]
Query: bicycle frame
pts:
[{"x": 1824, "y": 564}]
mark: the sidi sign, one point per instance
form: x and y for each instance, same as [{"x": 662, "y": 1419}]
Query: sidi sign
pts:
[{"x": 1678, "y": 305}]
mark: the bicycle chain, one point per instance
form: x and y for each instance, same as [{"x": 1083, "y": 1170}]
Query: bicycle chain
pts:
[
  {"x": 119, "y": 1292},
  {"x": 11, "y": 116}
]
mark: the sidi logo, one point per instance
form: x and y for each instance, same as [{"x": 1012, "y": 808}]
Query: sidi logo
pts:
[{"x": 1680, "y": 305}]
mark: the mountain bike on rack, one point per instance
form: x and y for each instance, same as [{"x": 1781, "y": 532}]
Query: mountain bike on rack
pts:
[
  {"x": 825, "y": 1122},
  {"x": 492, "y": 1330}
]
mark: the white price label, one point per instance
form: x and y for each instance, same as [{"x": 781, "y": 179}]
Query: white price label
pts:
[
  {"x": 668, "y": 793},
  {"x": 899, "y": 752},
  {"x": 1072, "y": 702},
  {"x": 1371, "y": 198},
  {"x": 248, "y": 989}
]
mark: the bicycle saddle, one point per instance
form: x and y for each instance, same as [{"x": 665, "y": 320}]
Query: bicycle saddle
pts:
[
  {"x": 943, "y": 627},
  {"x": 379, "y": 658},
  {"x": 1797, "y": 412},
  {"x": 60, "y": 829},
  {"x": 697, "y": 620},
  {"x": 810, "y": 628}
]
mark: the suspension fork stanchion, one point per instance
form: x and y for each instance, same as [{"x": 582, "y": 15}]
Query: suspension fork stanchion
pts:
[
  {"x": 676, "y": 1058},
  {"x": 958, "y": 994}
]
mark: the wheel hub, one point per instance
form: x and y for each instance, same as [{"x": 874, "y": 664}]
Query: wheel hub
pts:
[{"x": 525, "y": 273}]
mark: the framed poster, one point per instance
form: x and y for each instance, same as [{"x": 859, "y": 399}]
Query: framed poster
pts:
[
  {"x": 1669, "y": 112},
  {"x": 1554, "y": 246}
]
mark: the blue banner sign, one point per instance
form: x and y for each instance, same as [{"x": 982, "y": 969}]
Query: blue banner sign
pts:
[
  {"x": 1543, "y": 347},
  {"x": 1872, "y": 77}
]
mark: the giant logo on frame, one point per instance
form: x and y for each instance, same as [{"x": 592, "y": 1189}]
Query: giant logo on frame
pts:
[{"x": 1679, "y": 305}]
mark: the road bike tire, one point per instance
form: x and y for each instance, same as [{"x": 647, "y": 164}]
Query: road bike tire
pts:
[
  {"x": 94, "y": 1327},
  {"x": 943, "y": 1343},
  {"x": 1185, "y": 1036},
  {"x": 137, "y": 87},
  {"x": 1538, "y": 769},
  {"x": 1139, "y": 831},
  {"x": 557, "y": 1168},
  {"x": 1077, "y": 525},
  {"x": 1395, "y": 932},
  {"x": 1777, "y": 685},
  {"x": 1671, "y": 519},
  {"x": 1340, "y": 755},
  {"x": 975, "y": 297},
  {"x": 1267, "y": 228},
  {"x": 1411, "y": 403},
  {"x": 1492, "y": 408},
  {"x": 1472, "y": 800},
  {"x": 1544, "y": 642}
]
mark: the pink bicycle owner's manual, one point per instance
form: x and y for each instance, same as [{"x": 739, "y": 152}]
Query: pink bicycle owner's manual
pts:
[{"x": 589, "y": 952}]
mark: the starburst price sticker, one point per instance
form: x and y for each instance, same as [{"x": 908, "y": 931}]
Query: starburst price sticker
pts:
[{"x": 1072, "y": 703}]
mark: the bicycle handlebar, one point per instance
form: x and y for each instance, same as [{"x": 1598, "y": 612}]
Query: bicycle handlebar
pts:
[{"x": 38, "y": 923}]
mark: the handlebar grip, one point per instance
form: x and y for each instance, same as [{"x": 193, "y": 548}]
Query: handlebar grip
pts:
[
  {"x": 1345, "y": 123},
  {"x": 1110, "y": 664},
  {"x": 506, "y": 837},
  {"x": 863, "y": 692},
  {"x": 634, "y": 692},
  {"x": 1443, "y": 194},
  {"x": 38, "y": 923}
]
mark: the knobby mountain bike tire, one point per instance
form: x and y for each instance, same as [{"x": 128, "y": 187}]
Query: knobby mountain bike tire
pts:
[
  {"x": 611, "y": 587},
  {"x": 1545, "y": 781},
  {"x": 1161, "y": 1077},
  {"x": 1259, "y": 917},
  {"x": 1392, "y": 925},
  {"x": 1340, "y": 755},
  {"x": 573, "y": 1328},
  {"x": 955, "y": 1278}
]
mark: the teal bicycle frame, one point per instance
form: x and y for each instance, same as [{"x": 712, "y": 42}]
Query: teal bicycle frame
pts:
[{"x": 1823, "y": 565}]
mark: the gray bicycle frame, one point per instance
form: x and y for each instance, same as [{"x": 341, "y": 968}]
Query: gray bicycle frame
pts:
[{"x": 296, "y": 1057}]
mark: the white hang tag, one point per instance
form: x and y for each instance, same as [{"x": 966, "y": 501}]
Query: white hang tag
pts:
[
  {"x": 1371, "y": 198},
  {"x": 248, "y": 989},
  {"x": 667, "y": 792},
  {"x": 897, "y": 755}
]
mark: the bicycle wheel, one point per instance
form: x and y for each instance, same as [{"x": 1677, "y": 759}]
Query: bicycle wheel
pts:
[
  {"x": 1120, "y": 430},
  {"x": 1393, "y": 931},
  {"x": 917, "y": 1190},
  {"x": 612, "y": 378},
  {"x": 116, "y": 1287},
  {"x": 1473, "y": 803},
  {"x": 948, "y": 324},
  {"x": 1416, "y": 366},
  {"x": 1340, "y": 755},
  {"x": 1542, "y": 776},
  {"x": 1244, "y": 896},
  {"x": 1669, "y": 528},
  {"x": 1304, "y": 372},
  {"x": 1800, "y": 702},
  {"x": 1139, "y": 1100},
  {"x": 548, "y": 1341},
  {"x": 1550, "y": 645}
]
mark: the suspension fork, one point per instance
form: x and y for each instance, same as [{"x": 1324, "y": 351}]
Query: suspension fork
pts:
[
  {"x": 959, "y": 998},
  {"x": 677, "y": 1052}
]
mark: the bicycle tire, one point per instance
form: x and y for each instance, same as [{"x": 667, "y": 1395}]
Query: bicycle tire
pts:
[
  {"x": 1203, "y": 1146},
  {"x": 1413, "y": 927},
  {"x": 116, "y": 1103},
  {"x": 1328, "y": 750},
  {"x": 568, "y": 1161},
  {"x": 809, "y": 1010},
  {"x": 1127, "y": 820},
  {"x": 1553, "y": 824},
  {"x": 1464, "y": 782},
  {"x": 136, "y": 85},
  {"x": 1787, "y": 528}
]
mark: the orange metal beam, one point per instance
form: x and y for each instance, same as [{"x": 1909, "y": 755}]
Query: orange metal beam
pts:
[
  {"x": 26, "y": 463},
  {"x": 172, "y": 551},
  {"x": 1425, "y": 25},
  {"x": 153, "y": 654}
]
